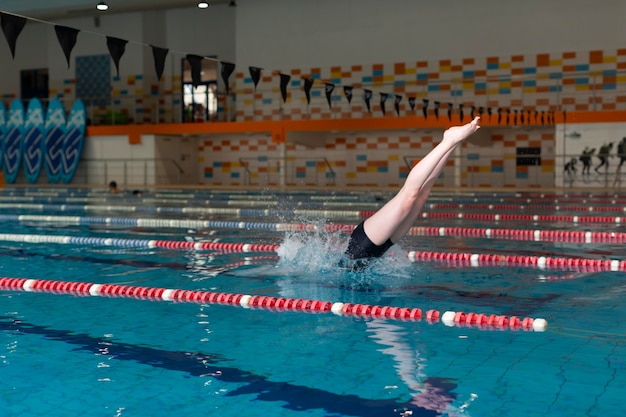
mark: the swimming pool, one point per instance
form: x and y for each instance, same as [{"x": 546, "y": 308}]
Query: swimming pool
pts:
[{"x": 311, "y": 339}]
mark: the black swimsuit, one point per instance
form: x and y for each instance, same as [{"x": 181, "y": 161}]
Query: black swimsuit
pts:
[{"x": 361, "y": 249}]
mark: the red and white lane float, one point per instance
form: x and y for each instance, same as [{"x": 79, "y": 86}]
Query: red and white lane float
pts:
[{"x": 276, "y": 304}]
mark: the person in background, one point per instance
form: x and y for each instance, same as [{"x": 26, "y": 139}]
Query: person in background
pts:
[
  {"x": 603, "y": 154},
  {"x": 585, "y": 158},
  {"x": 621, "y": 153},
  {"x": 390, "y": 223},
  {"x": 113, "y": 188}
]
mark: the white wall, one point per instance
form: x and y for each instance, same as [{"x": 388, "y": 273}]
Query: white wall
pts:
[{"x": 301, "y": 33}]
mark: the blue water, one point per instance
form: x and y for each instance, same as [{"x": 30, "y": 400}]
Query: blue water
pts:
[{"x": 66, "y": 355}]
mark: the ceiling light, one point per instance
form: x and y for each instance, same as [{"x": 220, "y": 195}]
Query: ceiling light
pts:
[
  {"x": 203, "y": 4},
  {"x": 102, "y": 6}
]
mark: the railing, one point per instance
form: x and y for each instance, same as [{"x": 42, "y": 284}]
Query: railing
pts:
[
  {"x": 138, "y": 172},
  {"x": 276, "y": 170}
]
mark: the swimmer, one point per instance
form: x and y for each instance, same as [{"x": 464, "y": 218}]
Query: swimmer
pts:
[{"x": 387, "y": 226}]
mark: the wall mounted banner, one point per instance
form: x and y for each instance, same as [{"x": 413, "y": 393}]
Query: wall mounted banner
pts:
[
  {"x": 308, "y": 84},
  {"x": 12, "y": 148},
  {"x": 12, "y": 27},
  {"x": 159, "y": 55},
  {"x": 67, "y": 39},
  {"x": 329, "y": 88},
  {"x": 116, "y": 48},
  {"x": 412, "y": 103},
  {"x": 367, "y": 96},
  {"x": 383, "y": 99},
  {"x": 73, "y": 141},
  {"x": 347, "y": 91},
  {"x": 255, "y": 74},
  {"x": 195, "y": 62},
  {"x": 284, "y": 81},
  {"x": 227, "y": 70},
  {"x": 3, "y": 122},
  {"x": 54, "y": 132},
  {"x": 33, "y": 152}
]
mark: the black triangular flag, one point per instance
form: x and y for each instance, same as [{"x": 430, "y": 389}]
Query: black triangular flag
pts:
[
  {"x": 159, "y": 55},
  {"x": 396, "y": 103},
  {"x": 383, "y": 98},
  {"x": 227, "y": 70},
  {"x": 489, "y": 112},
  {"x": 367, "y": 96},
  {"x": 347, "y": 90},
  {"x": 564, "y": 115},
  {"x": 195, "y": 61},
  {"x": 255, "y": 74},
  {"x": 450, "y": 111},
  {"x": 480, "y": 112},
  {"x": 116, "y": 47},
  {"x": 473, "y": 112},
  {"x": 67, "y": 39},
  {"x": 412, "y": 103},
  {"x": 329, "y": 88},
  {"x": 12, "y": 27},
  {"x": 499, "y": 115},
  {"x": 284, "y": 81},
  {"x": 515, "y": 118},
  {"x": 308, "y": 84},
  {"x": 436, "y": 109},
  {"x": 461, "y": 114},
  {"x": 425, "y": 108}
]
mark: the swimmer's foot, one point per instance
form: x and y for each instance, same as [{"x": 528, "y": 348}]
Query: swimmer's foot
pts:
[{"x": 457, "y": 134}]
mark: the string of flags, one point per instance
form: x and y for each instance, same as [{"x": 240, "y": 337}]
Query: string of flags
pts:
[{"x": 12, "y": 25}]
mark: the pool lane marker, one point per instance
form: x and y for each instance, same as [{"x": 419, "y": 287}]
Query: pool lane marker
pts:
[
  {"x": 276, "y": 304},
  {"x": 576, "y": 236},
  {"x": 459, "y": 259}
]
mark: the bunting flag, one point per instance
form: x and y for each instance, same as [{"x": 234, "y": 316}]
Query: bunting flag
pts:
[
  {"x": 116, "y": 47},
  {"x": 367, "y": 96},
  {"x": 67, "y": 39},
  {"x": 195, "y": 62},
  {"x": 396, "y": 103},
  {"x": 284, "y": 81},
  {"x": 481, "y": 110},
  {"x": 450, "y": 111},
  {"x": 489, "y": 112},
  {"x": 473, "y": 112},
  {"x": 412, "y": 103},
  {"x": 542, "y": 115},
  {"x": 436, "y": 109},
  {"x": 425, "y": 108},
  {"x": 227, "y": 70},
  {"x": 515, "y": 117},
  {"x": 329, "y": 88},
  {"x": 499, "y": 115},
  {"x": 383, "y": 99},
  {"x": 564, "y": 116},
  {"x": 308, "y": 84},
  {"x": 508, "y": 116},
  {"x": 347, "y": 91},
  {"x": 461, "y": 113},
  {"x": 159, "y": 55},
  {"x": 12, "y": 27},
  {"x": 255, "y": 74}
]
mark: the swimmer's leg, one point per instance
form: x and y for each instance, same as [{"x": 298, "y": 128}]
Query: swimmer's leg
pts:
[{"x": 396, "y": 217}]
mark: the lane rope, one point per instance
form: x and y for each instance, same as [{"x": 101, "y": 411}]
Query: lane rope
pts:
[
  {"x": 276, "y": 304},
  {"x": 460, "y": 259}
]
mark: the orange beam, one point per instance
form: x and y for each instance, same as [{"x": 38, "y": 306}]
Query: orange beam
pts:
[{"x": 279, "y": 128}]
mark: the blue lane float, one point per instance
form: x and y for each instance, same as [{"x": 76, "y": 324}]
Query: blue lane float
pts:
[
  {"x": 33, "y": 153},
  {"x": 54, "y": 131},
  {"x": 12, "y": 146}
]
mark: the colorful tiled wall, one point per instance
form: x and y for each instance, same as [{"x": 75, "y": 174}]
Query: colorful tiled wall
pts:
[
  {"x": 380, "y": 159},
  {"x": 593, "y": 80}
]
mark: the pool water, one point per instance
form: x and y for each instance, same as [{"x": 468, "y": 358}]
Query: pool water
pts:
[{"x": 74, "y": 354}]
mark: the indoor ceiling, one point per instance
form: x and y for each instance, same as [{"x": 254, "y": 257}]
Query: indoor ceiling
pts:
[{"x": 46, "y": 9}]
